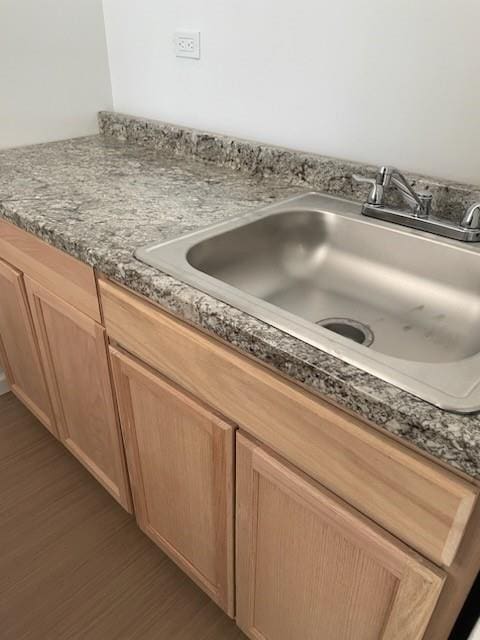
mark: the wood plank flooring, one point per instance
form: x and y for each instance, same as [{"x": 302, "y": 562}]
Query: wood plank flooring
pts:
[{"x": 73, "y": 564}]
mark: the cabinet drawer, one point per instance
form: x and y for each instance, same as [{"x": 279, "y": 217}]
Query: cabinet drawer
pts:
[
  {"x": 413, "y": 498},
  {"x": 68, "y": 278}
]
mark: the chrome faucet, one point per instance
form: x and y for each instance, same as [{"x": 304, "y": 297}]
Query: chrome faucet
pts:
[{"x": 419, "y": 205}]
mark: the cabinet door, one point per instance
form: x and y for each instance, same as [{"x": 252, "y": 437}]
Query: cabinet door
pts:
[
  {"x": 19, "y": 347},
  {"x": 180, "y": 462},
  {"x": 310, "y": 567},
  {"x": 74, "y": 355}
]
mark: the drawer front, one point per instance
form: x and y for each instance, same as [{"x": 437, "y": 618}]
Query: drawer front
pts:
[
  {"x": 68, "y": 278},
  {"x": 413, "y": 498}
]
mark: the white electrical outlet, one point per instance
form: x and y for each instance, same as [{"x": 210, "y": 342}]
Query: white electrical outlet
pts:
[{"x": 187, "y": 44}]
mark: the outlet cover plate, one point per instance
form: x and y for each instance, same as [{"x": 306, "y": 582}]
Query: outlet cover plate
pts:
[{"x": 187, "y": 44}]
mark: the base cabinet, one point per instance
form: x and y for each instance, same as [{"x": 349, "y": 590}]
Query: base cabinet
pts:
[
  {"x": 180, "y": 459},
  {"x": 74, "y": 355},
  {"x": 19, "y": 349},
  {"x": 309, "y": 566},
  {"x": 311, "y": 562}
]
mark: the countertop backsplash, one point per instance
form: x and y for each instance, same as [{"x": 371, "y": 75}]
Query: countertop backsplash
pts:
[{"x": 307, "y": 170}]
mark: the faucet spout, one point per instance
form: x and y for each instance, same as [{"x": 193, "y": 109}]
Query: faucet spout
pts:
[{"x": 420, "y": 204}]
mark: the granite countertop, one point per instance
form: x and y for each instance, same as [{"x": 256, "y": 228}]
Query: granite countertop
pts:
[{"x": 99, "y": 198}]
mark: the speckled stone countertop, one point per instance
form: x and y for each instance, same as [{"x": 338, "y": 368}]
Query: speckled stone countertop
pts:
[{"x": 99, "y": 198}]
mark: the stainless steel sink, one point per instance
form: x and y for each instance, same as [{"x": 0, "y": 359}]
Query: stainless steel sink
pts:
[{"x": 403, "y": 305}]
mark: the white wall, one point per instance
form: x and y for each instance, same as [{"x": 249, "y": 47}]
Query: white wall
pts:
[
  {"x": 54, "y": 72},
  {"x": 380, "y": 81}
]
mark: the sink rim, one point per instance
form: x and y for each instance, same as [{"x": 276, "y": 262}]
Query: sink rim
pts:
[{"x": 406, "y": 374}]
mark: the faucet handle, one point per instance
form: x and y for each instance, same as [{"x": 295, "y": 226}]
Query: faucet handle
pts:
[
  {"x": 375, "y": 196},
  {"x": 471, "y": 219},
  {"x": 359, "y": 178}
]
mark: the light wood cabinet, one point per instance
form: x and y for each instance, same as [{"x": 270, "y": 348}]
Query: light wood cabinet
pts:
[
  {"x": 74, "y": 355},
  {"x": 67, "y": 277},
  {"x": 416, "y": 500},
  {"x": 309, "y": 566},
  {"x": 325, "y": 504},
  {"x": 180, "y": 459},
  {"x": 19, "y": 349}
]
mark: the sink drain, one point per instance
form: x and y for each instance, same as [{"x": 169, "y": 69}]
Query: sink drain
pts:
[{"x": 348, "y": 328}]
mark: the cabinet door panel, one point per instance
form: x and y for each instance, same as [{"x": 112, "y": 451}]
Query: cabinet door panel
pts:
[
  {"x": 74, "y": 354},
  {"x": 180, "y": 462},
  {"x": 309, "y": 566},
  {"x": 19, "y": 347}
]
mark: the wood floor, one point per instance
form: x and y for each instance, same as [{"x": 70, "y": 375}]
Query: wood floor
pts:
[{"x": 73, "y": 564}]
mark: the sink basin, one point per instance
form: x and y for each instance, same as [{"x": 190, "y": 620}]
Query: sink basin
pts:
[{"x": 403, "y": 305}]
